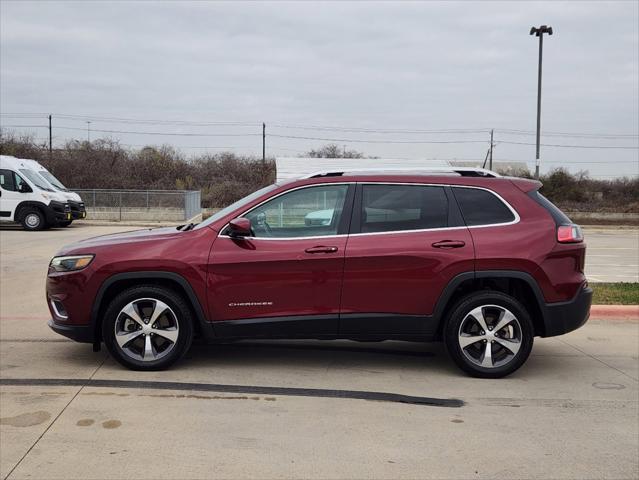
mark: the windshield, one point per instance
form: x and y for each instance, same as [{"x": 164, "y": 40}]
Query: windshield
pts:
[
  {"x": 234, "y": 206},
  {"x": 48, "y": 176},
  {"x": 36, "y": 179}
]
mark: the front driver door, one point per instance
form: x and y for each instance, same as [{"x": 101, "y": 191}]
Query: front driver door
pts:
[{"x": 286, "y": 279}]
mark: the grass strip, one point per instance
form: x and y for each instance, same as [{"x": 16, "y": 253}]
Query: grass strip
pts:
[{"x": 615, "y": 293}]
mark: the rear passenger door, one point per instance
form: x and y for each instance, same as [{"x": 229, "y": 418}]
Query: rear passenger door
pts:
[{"x": 407, "y": 242}]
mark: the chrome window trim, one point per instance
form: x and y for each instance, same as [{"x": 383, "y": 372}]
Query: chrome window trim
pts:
[
  {"x": 312, "y": 185},
  {"x": 270, "y": 239},
  {"x": 516, "y": 220}
]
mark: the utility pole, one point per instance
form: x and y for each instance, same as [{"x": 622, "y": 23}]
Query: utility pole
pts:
[
  {"x": 486, "y": 158},
  {"x": 539, "y": 32},
  {"x": 88, "y": 131},
  {"x": 50, "y": 140},
  {"x": 263, "y": 143},
  {"x": 491, "y": 148}
]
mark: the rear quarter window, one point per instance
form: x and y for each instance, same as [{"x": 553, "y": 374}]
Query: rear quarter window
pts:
[
  {"x": 481, "y": 207},
  {"x": 558, "y": 216}
]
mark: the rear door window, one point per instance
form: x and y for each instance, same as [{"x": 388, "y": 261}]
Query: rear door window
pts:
[
  {"x": 482, "y": 207},
  {"x": 389, "y": 208}
]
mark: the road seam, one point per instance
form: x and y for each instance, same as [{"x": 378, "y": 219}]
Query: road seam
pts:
[
  {"x": 599, "y": 360},
  {"x": 55, "y": 419}
]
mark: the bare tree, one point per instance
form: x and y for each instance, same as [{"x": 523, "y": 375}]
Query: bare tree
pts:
[{"x": 332, "y": 150}]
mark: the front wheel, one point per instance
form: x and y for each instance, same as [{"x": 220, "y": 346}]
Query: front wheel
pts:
[
  {"x": 147, "y": 327},
  {"x": 33, "y": 219},
  {"x": 489, "y": 334},
  {"x": 65, "y": 223}
]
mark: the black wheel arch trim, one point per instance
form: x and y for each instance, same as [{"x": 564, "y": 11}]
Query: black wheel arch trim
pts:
[
  {"x": 455, "y": 282},
  {"x": 205, "y": 326},
  {"x": 45, "y": 209},
  {"x": 557, "y": 318}
]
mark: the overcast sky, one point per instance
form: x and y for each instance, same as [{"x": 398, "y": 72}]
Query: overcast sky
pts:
[{"x": 362, "y": 65}]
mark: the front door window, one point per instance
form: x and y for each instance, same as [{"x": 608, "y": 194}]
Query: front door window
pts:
[{"x": 306, "y": 212}]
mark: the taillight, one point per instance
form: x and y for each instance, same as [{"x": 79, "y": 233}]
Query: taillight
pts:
[{"x": 569, "y": 234}]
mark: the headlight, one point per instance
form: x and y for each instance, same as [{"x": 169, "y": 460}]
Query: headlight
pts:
[{"x": 71, "y": 263}]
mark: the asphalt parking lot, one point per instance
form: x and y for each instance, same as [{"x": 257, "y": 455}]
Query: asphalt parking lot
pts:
[{"x": 309, "y": 409}]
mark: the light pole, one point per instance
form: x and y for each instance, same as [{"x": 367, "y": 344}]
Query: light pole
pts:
[{"x": 539, "y": 32}]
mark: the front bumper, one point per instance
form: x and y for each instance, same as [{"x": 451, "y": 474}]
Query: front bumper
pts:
[
  {"x": 78, "y": 211},
  {"x": 79, "y": 333},
  {"x": 58, "y": 212},
  {"x": 564, "y": 317}
]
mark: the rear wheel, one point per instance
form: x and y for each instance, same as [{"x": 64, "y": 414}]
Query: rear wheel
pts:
[
  {"x": 147, "y": 328},
  {"x": 489, "y": 334},
  {"x": 32, "y": 219}
]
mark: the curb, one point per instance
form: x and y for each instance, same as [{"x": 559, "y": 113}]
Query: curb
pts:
[{"x": 618, "y": 312}]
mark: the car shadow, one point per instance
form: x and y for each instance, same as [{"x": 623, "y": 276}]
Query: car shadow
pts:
[{"x": 317, "y": 354}]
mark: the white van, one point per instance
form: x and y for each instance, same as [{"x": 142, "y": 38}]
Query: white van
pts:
[
  {"x": 75, "y": 201},
  {"x": 26, "y": 198}
]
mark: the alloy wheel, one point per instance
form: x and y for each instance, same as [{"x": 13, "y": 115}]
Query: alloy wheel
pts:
[
  {"x": 490, "y": 336},
  {"x": 146, "y": 329}
]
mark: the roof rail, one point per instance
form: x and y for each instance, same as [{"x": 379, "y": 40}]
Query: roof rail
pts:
[{"x": 462, "y": 171}]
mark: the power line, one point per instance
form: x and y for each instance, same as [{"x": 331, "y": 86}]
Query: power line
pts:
[
  {"x": 318, "y": 127},
  {"x": 377, "y": 130},
  {"x": 169, "y": 134},
  {"x": 572, "y": 146},
  {"x": 507, "y": 131},
  {"x": 84, "y": 118},
  {"x": 23, "y": 126},
  {"x": 177, "y": 147},
  {"x": 339, "y": 140},
  {"x": 351, "y": 140}
]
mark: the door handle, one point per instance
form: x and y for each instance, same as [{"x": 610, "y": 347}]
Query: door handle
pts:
[
  {"x": 449, "y": 244},
  {"x": 321, "y": 249}
]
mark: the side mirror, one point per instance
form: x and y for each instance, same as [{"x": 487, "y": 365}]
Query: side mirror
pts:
[
  {"x": 240, "y": 227},
  {"x": 24, "y": 188}
]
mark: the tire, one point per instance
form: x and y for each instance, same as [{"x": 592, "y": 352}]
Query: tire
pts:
[
  {"x": 32, "y": 219},
  {"x": 65, "y": 223},
  {"x": 138, "y": 345},
  {"x": 486, "y": 352}
]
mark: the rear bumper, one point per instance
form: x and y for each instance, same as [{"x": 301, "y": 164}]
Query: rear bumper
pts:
[
  {"x": 79, "y": 333},
  {"x": 565, "y": 317}
]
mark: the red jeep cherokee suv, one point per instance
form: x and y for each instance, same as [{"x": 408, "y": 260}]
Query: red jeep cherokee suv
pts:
[{"x": 484, "y": 263}]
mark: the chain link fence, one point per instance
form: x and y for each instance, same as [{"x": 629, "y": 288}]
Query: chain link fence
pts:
[{"x": 141, "y": 205}]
